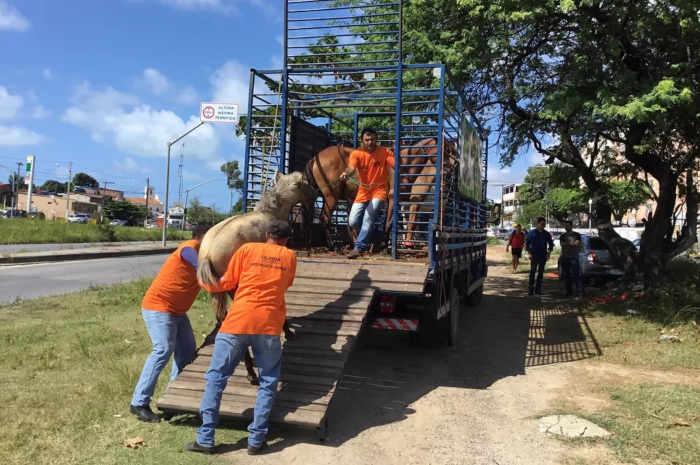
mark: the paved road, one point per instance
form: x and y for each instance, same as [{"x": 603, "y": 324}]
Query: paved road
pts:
[
  {"x": 27, "y": 281},
  {"x": 15, "y": 248}
]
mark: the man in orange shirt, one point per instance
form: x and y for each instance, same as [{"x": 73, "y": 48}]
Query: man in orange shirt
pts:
[
  {"x": 164, "y": 309},
  {"x": 262, "y": 272},
  {"x": 371, "y": 163}
]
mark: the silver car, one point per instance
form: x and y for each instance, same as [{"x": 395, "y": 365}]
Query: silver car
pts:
[{"x": 596, "y": 262}]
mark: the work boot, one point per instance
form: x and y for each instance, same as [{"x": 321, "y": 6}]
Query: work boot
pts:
[
  {"x": 354, "y": 254},
  {"x": 197, "y": 447},
  {"x": 252, "y": 450},
  {"x": 144, "y": 414}
]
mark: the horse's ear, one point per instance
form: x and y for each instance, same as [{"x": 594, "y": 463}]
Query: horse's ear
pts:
[{"x": 278, "y": 175}]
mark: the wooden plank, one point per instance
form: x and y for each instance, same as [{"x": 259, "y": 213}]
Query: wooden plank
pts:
[
  {"x": 289, "y": 367},
  {"x": 249, "y": 400},
  {"x": 338, "y": 310},
  {"x": 314, "y": 301},
  {"x": 324, "y": 382},
  {"x": 342, "y": 343},
  {"x": 326, "y": 354},
  {"x": 305, "y": 418},
  {"x": 319, "y": 315},
  {"x": 321, "y": 290},
  {"x": 314, "y": 389},
  {"x": 252, "y": 391}
]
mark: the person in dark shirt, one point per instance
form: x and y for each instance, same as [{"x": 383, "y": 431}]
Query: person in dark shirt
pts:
[
  {"x": 539, "y": 246},
  {"x": 570, "y": 246}
]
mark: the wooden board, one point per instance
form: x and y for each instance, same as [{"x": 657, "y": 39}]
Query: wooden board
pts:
[{"x": 326, "y": 308}]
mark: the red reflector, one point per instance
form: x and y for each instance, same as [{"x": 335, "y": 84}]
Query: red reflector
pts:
[
  {"x": 387, "y": 304},
  {"x": 592, "y": 257}
]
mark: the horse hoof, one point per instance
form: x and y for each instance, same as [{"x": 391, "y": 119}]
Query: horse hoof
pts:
[{"x": 253, "y": 380}]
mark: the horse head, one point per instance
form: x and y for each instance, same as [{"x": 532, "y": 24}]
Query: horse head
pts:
[{"x": 287, "y": 191}]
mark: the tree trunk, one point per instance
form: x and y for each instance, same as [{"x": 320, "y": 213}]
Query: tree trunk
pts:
[{"x": 658, "y": 232}]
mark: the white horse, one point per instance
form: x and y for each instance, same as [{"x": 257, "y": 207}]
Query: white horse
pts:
[{"x": 222, "y": 241}]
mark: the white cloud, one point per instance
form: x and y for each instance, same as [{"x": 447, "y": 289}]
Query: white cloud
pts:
[
  {"x": 188, "y": 96},
  {"x": 10, "y": 105},
  {"x": 135, "y": 128},
  {"x": 19, "y": 135},
  {"x": 11, "y": 19},
  {"x": 131, "y": 166},
  {"x": 156, "y": 82},
  {"x": 230, "y": 84},
  {"x": 535, "y": 158},
  {"x": 40, "y": 112},
  {"x": 46, "y": 72}
]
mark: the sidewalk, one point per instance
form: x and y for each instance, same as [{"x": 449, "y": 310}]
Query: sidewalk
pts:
[{"x": 88, "y": 253}]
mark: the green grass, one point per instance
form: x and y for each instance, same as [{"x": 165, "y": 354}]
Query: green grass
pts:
[
  {"x": 641, "y": 421},
  {"x": 70, "y": 364},
  {"x": 20, "y": 231}
]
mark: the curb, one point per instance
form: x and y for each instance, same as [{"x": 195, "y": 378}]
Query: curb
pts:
[{"x": 17, "y": 259}]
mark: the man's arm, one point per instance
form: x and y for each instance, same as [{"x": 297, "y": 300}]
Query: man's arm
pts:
[
  {"x": 508, "y": 241},
  {"x": 390, "y": 158},
  {"x": 189, "y": 255},
  {"x": 351, "y": 169},
  {"x": 551, "y": 242},
  {"x": 528, "y": 242}
]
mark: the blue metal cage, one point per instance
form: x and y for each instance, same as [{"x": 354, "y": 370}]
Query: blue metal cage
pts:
[{"x": 343, "y": 69}]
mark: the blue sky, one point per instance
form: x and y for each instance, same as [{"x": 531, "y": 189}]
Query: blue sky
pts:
[{"x": 105, "y": 83}]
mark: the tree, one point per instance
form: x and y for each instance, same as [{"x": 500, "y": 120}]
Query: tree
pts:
[
  {"x": 54, "y": 186},
  {"x": 198, "y": 213},
  {"x": 123, "y": 210},
  {"x": 555, "y": 186},
  {"x": 625, "y": 195},
  {"x": 85, "y": 180},
  {"x": 580, "y": 81},
  {"x": 235, "y": 184},
  {"x": 15, "y": 179}
]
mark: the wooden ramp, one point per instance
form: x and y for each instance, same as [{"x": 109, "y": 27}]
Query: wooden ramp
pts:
[{"x": 326, "y": 308}]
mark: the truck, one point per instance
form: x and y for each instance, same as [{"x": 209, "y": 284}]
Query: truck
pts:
[
  {"x": 176, "y": 216},
  {"x": 420, "y": 286}
]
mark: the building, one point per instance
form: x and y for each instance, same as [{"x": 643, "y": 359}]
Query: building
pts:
[
  {"x": 154, "y": 204},
  {"x": 510, "y": 206},
  {"x": 6, "y": 195},
  {"x": 54, "y": 206}
]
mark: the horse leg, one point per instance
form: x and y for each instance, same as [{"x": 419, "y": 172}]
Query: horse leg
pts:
[
  {"x": 330, "y": 202},
  {"x": 252, "y": 376},
  {"x": 410, "y": 227}
]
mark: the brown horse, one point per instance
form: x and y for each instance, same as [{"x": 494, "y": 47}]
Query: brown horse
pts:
[
  {"x": 423, "y": 190},
  {"x": 325, "y": 169}
]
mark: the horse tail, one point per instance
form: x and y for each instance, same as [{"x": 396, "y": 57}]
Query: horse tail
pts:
[{"x": 206, "y": 275}]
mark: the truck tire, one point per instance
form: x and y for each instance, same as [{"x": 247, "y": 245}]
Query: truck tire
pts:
[
  {"x": 432, "y": 332},
  {"x": 453, "y": 319},
  {"x": 474, "y": 299}
]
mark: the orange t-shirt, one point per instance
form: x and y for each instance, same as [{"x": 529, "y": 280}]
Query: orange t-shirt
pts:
[
  {"x": 372, "y": 168},
  {"x": 263, "y": 273},
  {"x": 175, "y": 287}
]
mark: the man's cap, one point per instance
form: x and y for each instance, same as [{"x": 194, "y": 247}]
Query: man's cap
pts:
[
  {"x": 515, "y": 225},
  {"x": 280, "y": 229}
]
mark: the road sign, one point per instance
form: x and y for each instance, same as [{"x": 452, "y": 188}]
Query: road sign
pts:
[{"x": 218, "y": 113}]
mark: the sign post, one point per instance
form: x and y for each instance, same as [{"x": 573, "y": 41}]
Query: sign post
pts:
[
  {"x": 208, "y": 113},
  {"x": 29, "y": 179}
]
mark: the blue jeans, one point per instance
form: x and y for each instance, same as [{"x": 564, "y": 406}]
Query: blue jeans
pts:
[
  {"x": 169, "y": 334},
  {"x": 362, "y": 217},
  {"x": 229, "y": 350},
  {"x": 569, "y": 267},
  {"x": 537, "y": 265}
]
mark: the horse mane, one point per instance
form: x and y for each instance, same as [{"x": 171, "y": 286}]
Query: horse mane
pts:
[{"x": 284, "y": 188}]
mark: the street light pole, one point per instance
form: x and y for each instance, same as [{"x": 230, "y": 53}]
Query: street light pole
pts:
[
  {"x": 167, "y": 185},
  {"x": 590, "y": 206}
]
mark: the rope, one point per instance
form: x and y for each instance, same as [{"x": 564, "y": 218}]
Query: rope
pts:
[{"x": 351, "y": 179}]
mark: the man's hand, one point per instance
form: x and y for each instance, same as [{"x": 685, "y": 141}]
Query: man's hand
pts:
[
  {"x": 529, "y": 256},
  {"x": 507, "y": 248},
  {"x": 548, "y": 256},
  {"x": 344, "y": 176}
]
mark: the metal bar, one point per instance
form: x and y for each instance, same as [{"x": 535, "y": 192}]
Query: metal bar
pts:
[
  {"x": 397, "y": 163},
  {"x": 309, "y": 46},
  {"x": 336, "y": 18},
  {"x": 352, "y": 7},
  {"x": 373, "y": 33},
  {"x": 438, "y": 164},
  {"x": 339, "y": 26},
  {"x": 247, "y": 140},
  {"x": 332, "y": 68},
  {"x": 344, "y": 53}
]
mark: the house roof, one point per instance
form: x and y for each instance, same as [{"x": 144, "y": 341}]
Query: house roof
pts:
[{"x": 142, "y": 201}]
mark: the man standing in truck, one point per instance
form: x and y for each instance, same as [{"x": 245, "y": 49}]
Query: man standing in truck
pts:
[
  {"x": 261, "y": 273},
  {"x": 370, "y": 162},
  {"x": 539, "y": 246}
]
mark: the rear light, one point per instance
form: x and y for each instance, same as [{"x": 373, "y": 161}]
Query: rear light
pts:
[
  {"x": 387, "y": 304},
  {"x": 592, "y": 257}
]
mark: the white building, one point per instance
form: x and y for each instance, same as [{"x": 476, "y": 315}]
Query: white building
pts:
[{"x": 510, "y": 206}]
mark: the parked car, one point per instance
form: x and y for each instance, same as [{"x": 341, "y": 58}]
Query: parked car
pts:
[
  {"x": 118, "y": 223},
  {"x": 596, "y": 261},
  {"x": 502, "y": 233},
  {"x": 79, "y": 218}
]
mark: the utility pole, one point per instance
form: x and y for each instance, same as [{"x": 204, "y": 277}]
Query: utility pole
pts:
[
  {"x": 148, "y": 213},
  {"x": 15, "y": 203},
  {"x": 179, "y": 171},
  {"x": 70, "y": 173},
  {"x": 107, "y": 182}
]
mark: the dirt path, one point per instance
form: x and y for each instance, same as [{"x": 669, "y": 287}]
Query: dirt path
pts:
[{"x": 477, "y": 403}]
